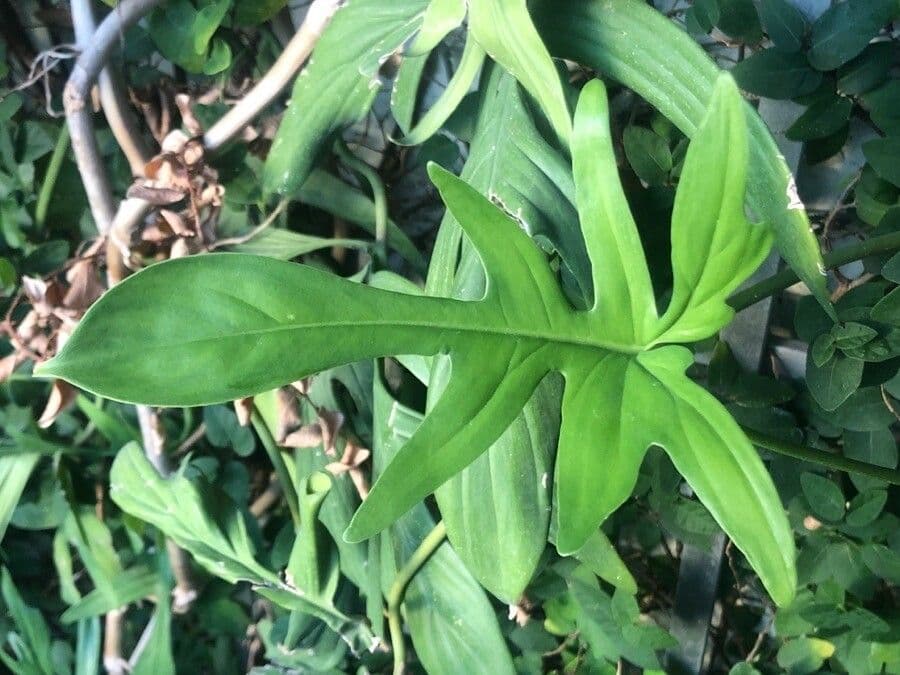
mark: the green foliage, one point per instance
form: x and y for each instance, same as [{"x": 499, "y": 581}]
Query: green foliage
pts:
[
  {"x": 606, "y": 349},
  {"x": 548, "y": 354},
  {"x": 185, "y": 33}
]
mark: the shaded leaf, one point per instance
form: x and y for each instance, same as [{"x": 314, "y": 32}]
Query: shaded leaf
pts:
[
  {"x": 451, "y": 622},
  {"x": 834, "y": 382},
  {"x": 845, "y": 29},
  {"x": 882, "y": 154},
  {"x": 784, "y": 23},
  {"x": 776, "y": 74},
  {"x": 338, "y": 84},
  {"x": 821, "y": 119},
  {"x": 823, "y": 495},
  {"x": 206, "y": 523}
]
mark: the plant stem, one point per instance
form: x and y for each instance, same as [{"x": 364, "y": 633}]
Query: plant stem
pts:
[
  {"x": 405, "y": 575},
  {"x": 281, "y": 470},
  {"x": 52, "y": 173},
  {"x": 838, "y": 462},
  {"x": 318, "y": 16},
  {"x": 378, "y": 196},
  {"x": 778, "y": 282}
]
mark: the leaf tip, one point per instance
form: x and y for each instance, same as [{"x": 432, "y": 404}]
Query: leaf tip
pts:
[
  {"x": 47, "y": 369},
  {"x": 360, "y": 527}
]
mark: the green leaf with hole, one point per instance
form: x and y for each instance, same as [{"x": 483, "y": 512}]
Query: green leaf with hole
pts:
[{"x": 227, "y": 326}]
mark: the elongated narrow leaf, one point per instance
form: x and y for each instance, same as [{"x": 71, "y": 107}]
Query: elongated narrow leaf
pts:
[
  {"x": 709, "y": 449},
  {"x": 505, "y": 31},
  {"x": 285, "y": 244},
  {"x": 441, "y": 17},
  {"x": 329, "y": 193},
  {"x": 232, "y": 325},
  {"x": 156, "y": 659},
  {"x": 129, "y": 586},
  {"x": 30, "y": 625},
  {"x": 14, "y": 473},
  {"x": 673, "y": 73},
  {"x": 621, "y": 280},
  {"x": 713, "y": 245},
  {"x": 457, "y": 88},
  {"x": 601, "y": 402}
]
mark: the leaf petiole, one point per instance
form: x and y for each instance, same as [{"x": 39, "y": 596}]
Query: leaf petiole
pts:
[
  {"x": 886, "y": 243},
  {"x": 808, "y": 454},
  {"x": 420, "y": 556}
]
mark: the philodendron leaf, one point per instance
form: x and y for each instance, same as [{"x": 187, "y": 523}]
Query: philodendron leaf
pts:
[
  {"x": 450, "y": 619},
  {"x": 225, "y": 327},
  {"x": 504, "y": 30},
  {"x": 497, "y": 510},
  {"x": 643, "y": 49}
]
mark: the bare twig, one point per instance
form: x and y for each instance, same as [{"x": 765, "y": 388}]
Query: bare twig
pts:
[
  {"x": 267, "y": 498},
  {"x": 115, "y": 107},
  {"x": 285, "y": 67},
  {"x": 41, "y": 67},
  {"x": 234, "y": 241},
  {"x": 191, "y": 440},
  {"x": 121, "y": 121},
  {"x": 887, "y": 402},
  {"x": 839, "y": 206},
  {"x": 113, "y": 661}
]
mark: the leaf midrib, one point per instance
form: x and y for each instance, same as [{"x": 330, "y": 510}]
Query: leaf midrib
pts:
[{"x": 512, "y": 333}]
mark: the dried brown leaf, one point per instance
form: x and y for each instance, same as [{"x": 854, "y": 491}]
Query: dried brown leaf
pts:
[{"x": 62, "y": 395}]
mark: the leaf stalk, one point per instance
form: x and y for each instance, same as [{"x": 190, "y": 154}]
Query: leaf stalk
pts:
[
  {"x": 397, "y": 591},
  {"x": 281, "y": 470},
  {"x": 885, "y": 243},
  {"x": 832, "y": 461}
]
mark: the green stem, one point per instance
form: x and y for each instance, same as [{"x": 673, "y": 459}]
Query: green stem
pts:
[
  {"x": 49, "y": 182},
  {"x": 281, "y": 470},
  {"x": 838, "y": 462},
  {"x": 886, "y": 243},
  {"x": 419, "y": 557},
  {"x": 379, "y": 196}
]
